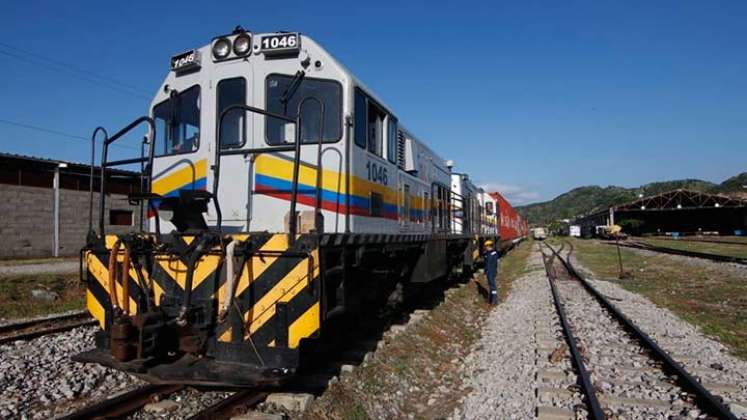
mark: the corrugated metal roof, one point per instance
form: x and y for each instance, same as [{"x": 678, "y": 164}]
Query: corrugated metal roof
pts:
[
  {"x": 36, "y": 158},
  {"x": 55, "y": 162}
]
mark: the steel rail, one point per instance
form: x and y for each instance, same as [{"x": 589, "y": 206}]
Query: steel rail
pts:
[
  {"x": 694, "y": 254},
  {"x": 124, "y": 404},
  {"x": 18, "y": 331},
  {"x": 595, "y": 408},
  {"x": 696, "y": 240},
  {"x": 224, "y": 409},
  {"x": 706, "y": 400},
  {"x": 46, "y": 331},
  {"x": 37, "y": 321}
]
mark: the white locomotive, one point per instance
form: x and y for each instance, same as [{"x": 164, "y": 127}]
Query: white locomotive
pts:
[{"x": 225, "y": 286}]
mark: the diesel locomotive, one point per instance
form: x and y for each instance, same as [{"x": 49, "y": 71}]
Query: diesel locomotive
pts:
[{"x": 280, "y": 193}]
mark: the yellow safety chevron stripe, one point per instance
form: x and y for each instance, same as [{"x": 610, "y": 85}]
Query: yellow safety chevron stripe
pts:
[
  {"x": 96, "y": 309},
  {"x": 284, "y": 291},
  {"x": 177, "y": 270},
  {"x": 304, "y": 326},
  {"x": 101, "y": 274},
  {"x": 278, "y": 242}
]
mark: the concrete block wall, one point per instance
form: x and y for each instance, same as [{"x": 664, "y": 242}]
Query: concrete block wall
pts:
[{"x": 27, "y": 220}]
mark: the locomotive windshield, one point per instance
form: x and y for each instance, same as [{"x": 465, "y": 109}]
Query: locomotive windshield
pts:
[
  {"x": 327, "y": 91},
  {"x": 178, "y": 123}
]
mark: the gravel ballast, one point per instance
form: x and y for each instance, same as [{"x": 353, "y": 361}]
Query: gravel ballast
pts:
[
  {"x": 38, "y": 380},
  {"x": 704, "y": 357},
  {"x": 502, "y": 366}
]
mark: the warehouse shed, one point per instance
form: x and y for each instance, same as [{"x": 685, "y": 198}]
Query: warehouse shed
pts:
[
  {"x": 676, "y": 212},
  {"x": 44, "y": 205}
]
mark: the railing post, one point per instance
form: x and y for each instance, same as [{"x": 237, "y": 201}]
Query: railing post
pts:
[
  {"x": 104, "y": 154},
  {"x": 318, "y": 221},
  {"x": 102, "y": 183},
  {"x": 292, "y": 219},
  {"x": 91, "y": 175}
]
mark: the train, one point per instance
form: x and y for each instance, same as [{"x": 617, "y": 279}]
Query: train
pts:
[
  {"x": 513, "y": 227},
  {"x": 280, "y": 195},
  {"x": 539, "y": 233}
]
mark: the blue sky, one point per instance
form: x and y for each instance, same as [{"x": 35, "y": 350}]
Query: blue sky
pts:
[{"x": 533, "y": 98}]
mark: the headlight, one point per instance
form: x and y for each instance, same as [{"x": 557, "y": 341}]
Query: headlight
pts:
[
  {"x": 242, "y": 45},
  {"x": 221, "y": 48}
]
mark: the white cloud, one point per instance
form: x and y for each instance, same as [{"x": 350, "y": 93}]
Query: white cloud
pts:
[{"x": 515, "y": 194}]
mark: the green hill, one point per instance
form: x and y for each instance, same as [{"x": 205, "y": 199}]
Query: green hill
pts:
[
  {"x": 586, "y": 200},
  {"x": 734, "y": 184}
]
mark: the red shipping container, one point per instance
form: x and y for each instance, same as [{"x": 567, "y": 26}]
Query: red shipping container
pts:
[{"x": 512, "y": 225}]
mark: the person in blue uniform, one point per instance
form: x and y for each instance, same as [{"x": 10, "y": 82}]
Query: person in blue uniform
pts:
[{"x": 491, "y": 271}]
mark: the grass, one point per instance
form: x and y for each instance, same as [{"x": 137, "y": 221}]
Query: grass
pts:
[
  {"x": 16, "y": 300},
  {"x": 710, "y": 297},
  {"x": 405, "y": 371},
  {"x": 732, "y": 250},
  {"x": 513, "y": 265}
]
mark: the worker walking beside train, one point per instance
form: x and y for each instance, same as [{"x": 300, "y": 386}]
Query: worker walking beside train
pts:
[{"x": 491, "y": 271}]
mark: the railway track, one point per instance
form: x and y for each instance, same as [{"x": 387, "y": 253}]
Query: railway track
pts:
[
  {"x": 704, "y": 240},
  {"x": 619, "y": 370},
  {"x": 125, "y": 404},
  {"x": 694, "y": 254},
  {"x": 235, "y": 404},
  {"x": 328, "y": 364},
  {"x": 34, "y": 328}
]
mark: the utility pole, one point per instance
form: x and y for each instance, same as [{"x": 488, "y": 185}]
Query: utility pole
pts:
[
  {"x": 56, "y": 207},
  {"x": 621, "y": 275}
]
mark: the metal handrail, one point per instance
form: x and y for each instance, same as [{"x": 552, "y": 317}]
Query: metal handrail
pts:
[
  {"x": 90, "y": 179},
  {"x": 104, "y": 164},
  {"x": 318, "y": 222},
  {"x": 295, "y": 147},
  {"x": 454, "y": 199},
  {"x": 143, "y": 145}
]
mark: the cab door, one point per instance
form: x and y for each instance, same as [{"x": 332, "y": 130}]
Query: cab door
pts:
[{"x": 232, "y": 87}]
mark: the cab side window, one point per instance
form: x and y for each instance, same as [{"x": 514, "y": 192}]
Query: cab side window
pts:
[
  {"x": 374, "y": 126},
  {"x": 360, "y": 119},
  {"x": 375, "y": 129},
  {"x": 178, "y": 122},
  {"x": 391, "y": 145}
]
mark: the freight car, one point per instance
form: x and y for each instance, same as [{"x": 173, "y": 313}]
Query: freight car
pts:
[
  {"x": 281, "y": 194},
  {"x": 513, "y": 227}
]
